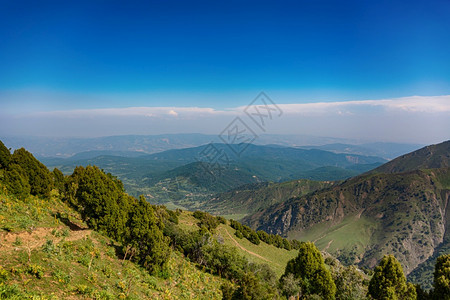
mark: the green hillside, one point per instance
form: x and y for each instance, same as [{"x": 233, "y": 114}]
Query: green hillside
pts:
[
  {"x": 250, "y": 198},
  {"x": 180, "y": 178},
  {"x": 361, "y": 219},
  {"x": 47, "y": 250},
  {"x": 82, "y": 237}
]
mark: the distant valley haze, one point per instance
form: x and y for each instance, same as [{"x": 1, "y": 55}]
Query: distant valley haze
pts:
[{"x": 365, "y": 72}]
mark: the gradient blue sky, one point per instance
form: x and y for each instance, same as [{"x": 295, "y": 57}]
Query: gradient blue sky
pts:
[{"x": 65, "y": 55}]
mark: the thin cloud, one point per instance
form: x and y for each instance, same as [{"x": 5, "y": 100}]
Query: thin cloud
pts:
[
  {"x": 416, "y": 104},
  {"x": 134, "y": 111},
  {"x": 415, "y": 119},
  {"x": 420, "y": 104}
]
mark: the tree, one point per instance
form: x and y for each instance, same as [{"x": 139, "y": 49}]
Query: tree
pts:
[
  {"x": 442, "y": 278},
  {"x": 38, "y": 175},
  {"x": 389, "y": 281},
  {"x": 150, "y": 246},
  {"x": 310, "y": 269},
  {"x": 100, "y": 200},
  {"x": 58, "y": 180},
  {"x": 290, "y": 286},
  {"x": 16, "y": 181},
  {"x": 5, "y": 156},
  {"x": 252, "y": 288}
]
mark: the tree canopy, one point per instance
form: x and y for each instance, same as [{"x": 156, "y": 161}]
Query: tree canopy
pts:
[
  {"x": 309, "y": 268},
  {"x": 38, "y": 176},
  {"x": 389, "y": 281},
  {"x": 442, "y": 278}
]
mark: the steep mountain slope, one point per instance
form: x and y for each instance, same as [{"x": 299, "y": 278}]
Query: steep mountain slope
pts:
[
  {"x": 251, "y": 198},
  {"x": 386, "y": 150},
  {"x": 359, "y": 220},
  {"x": 429, "y": 157}
]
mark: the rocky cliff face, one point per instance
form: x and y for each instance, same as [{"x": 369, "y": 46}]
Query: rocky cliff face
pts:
[{"x": 404, "y": 214}]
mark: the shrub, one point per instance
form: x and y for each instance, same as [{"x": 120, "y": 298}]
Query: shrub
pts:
[
  {"x": 61, "y": 276},
  {"x": 36, "y": 270},
  {"x": 3, "y": 275}
]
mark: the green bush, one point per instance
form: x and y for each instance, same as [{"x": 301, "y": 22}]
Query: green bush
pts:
[
  {"x": 61, "y": 276},
  {"x": 3, "y": 275},
  {"x": 36, "y": 270}
]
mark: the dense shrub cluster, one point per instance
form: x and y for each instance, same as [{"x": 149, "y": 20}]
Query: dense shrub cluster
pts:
[
  {"x": 255, "y": 237},
  {"x": 209, "y": 221},
  {"x": 104, "y": 205},
  {"x": 23, "y": 174},
  {"x": 253, "y": 281}
]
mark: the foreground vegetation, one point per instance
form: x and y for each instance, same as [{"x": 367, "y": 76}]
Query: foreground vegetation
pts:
[{"x": 82, "y": 236}]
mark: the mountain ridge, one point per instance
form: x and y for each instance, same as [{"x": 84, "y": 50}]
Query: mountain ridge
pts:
[{"x": 404, "y": 213}]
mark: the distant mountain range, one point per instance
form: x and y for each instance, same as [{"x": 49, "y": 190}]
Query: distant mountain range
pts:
[
  {"x": 131, "y": 145},
  {"x": 400, "y": 208},
  {"x": 182, "y": 176},
  {"x": 386, "y": 150}
]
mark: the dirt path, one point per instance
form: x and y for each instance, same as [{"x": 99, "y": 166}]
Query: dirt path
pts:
[
  {"x": 37, "y": 238},
  {"x": 248, "y": 251},
  {"x": 328, "y": 246}
]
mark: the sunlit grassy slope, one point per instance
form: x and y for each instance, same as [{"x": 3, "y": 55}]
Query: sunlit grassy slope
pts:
[
  {"x": 46, "y": 252},
  {"x": 263, "y": 253}
]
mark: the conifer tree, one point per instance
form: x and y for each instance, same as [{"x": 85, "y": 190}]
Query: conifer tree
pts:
[
  {"x": 39, "y": 177},
  {"x": 442, "y": 278},
  {"x": 150, "y": 247},
  {"x": 310, "y": 269},
  {"x": 5, "y": 156},
  {"x": 16, "y": 181},
  {"x": 58, "y": 180},
  {"x": 389, "y": 281}
]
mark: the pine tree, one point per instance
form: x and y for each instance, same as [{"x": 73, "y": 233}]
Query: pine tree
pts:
[
  {"x": 5, "y": 156},
  {"x": 150, "y": 246},
  {"x": 100, "y": 200},
  {"x": 39, "y": 177},
  {"x": 310, "y": 269},
  {"x": 16, "y": 181},
  {"x": 389, "y": 281},
  {"x": 442, "y": 278},
  {"x": 58, "y": 180}
]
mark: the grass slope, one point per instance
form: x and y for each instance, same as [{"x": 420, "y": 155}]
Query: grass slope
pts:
[
  {"x": 275, "y": 257},
  {"x": 46, "y": 251}
]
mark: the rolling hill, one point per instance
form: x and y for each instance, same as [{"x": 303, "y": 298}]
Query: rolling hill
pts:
[{"x": 178, "y": 177}]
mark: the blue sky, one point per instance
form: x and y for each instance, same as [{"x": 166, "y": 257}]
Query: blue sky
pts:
[{"x": 67, "y": 55}]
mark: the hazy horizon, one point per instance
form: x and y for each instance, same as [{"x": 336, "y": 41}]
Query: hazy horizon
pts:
[{"x": 360, "y": 71}]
